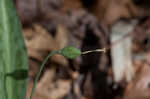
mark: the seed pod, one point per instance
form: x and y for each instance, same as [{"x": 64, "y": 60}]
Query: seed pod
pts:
[{"x": 70, "y": 52}]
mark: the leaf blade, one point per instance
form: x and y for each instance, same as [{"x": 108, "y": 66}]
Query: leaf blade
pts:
[{"x": 12, "y": 51}]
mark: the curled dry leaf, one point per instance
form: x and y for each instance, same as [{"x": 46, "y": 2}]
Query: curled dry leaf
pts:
[
  {"x": 51, "y": 88},
  {"x": 39, "y": 41}
]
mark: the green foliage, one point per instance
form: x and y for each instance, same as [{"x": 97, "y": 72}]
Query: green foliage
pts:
[
  {"x": 13, "y": 56},
  {"x": 70, "y": 52}
]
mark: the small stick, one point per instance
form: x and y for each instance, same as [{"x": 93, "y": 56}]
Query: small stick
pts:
[{"x": 97, "y": 50}]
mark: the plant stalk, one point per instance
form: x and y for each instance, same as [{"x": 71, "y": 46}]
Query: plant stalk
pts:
[{"x": 41, "y": 68}]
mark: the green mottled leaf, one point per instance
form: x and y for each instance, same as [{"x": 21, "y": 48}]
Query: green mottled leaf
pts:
[
  {"x": 70, "y": 52},
  {"x": 13, "y": 54}
]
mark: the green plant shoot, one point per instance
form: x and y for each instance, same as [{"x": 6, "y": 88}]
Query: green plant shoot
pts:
[{"x": 69, "y": 52}]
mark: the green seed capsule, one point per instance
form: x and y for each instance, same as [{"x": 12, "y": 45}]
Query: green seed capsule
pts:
[{"x": 70, "y": 52}]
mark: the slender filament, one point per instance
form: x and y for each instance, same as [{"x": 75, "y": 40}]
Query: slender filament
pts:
[{"x": 97, "y": 50}]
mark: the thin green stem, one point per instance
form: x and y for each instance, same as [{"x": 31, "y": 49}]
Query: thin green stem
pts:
[{"x": 39, "y": 73}]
